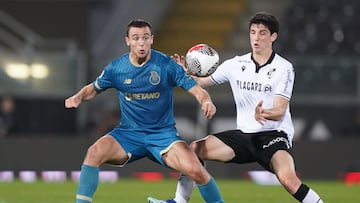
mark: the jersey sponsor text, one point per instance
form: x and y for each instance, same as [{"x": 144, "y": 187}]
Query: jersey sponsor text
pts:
[
  {"x": 247, "y": 85},
  {"x": 142, "y": 96}
]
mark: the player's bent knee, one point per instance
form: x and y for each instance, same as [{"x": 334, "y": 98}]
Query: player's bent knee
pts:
[
  {"x": 291, "y": 184},
  {"x": 198, "y": 149},
  {"x": 199, "y": 175},
  {"x": 94, "y": 155},
  {"x": 193, "y": 146}
]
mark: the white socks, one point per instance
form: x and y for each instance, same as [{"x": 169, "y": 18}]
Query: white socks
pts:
[
  {"x": 184, "y": 189},
  {"x": 312, "y": 197}
]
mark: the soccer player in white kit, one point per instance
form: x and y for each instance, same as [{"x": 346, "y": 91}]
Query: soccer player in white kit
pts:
[{"x": 262, "y": 83}]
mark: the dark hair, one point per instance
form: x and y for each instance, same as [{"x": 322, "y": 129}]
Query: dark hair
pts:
[
  {"x": 139, "y": 23},
  {"x": 266, "y": 19}
]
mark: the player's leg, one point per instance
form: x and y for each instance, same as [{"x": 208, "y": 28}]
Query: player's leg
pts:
[
  {"x": 283, "y": 165},
  {"x": 184, "y": 188},
  {"x": 181, "y": 158},
  {"x": 103, "y": 150},
  {"x": 208, "y": 148},
  {"x": 213, "y": 147}
]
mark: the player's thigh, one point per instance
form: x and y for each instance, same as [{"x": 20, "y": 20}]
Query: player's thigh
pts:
[
  {"x": 181, "y": 158},
  {"x": 212, "y": 148},
  {"x": 283, "y": 163},
  {"x": 106, "y": 149}
]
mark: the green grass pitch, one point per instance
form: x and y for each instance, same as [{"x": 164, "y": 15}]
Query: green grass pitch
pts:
[{"x": 136, "y": 191}]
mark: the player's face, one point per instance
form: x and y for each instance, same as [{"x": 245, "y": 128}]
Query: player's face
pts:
[
  {"x": 139, "y": 41},
  {"x": 261, "y": 38}
]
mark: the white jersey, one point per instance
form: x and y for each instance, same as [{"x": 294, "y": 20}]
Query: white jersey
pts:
[{"x": 251, "y": 83}]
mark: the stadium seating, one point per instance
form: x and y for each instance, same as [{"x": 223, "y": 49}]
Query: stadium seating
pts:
[
  {"x": 320, "y": 39},
  {"x": 201, "y": 21},
  {"x": 321, "y": 27}
]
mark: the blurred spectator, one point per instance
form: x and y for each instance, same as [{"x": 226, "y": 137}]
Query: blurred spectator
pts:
[{"x": 7, "y": 116}]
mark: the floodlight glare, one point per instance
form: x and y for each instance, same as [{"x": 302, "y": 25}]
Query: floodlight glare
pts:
[
  {"x": 18, "y": 71},
  {"x": 39, "y": 71}
]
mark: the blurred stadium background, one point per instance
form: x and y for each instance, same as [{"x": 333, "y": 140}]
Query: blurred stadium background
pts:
[{"x": 51, "y": 48}]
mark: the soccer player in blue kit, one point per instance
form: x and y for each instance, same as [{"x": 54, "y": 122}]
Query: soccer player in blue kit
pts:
[
  {"x": 262, "y": 83},
  {"x": 144, "y": 79}
]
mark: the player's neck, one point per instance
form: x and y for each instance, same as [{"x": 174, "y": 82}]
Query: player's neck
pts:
[
  {"x": 138, "y": 61},
  {"x": 262, "y": 57}
]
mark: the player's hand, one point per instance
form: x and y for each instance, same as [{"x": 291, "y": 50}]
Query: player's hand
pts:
[
  {"x": 180, "y": 60},
  {"x": 260, "y": 114},
  {"x": 209, "y": 109},
  {"x": 72, "y": 102}
]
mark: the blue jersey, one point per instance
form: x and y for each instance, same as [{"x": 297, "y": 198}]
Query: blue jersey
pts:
[{"x": 146, "y": 92}]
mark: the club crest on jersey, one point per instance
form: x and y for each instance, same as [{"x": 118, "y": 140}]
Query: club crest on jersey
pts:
[
  {"x": 127, "y": 81},
  {"x": 269, "y": 74},
  {"x": 154, "y": 78}
]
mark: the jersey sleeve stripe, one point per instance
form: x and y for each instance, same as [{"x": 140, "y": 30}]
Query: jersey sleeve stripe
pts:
[
  {"x": 282, "y": 95},
  {"x": 97, "y": 86},
  {"x": 213, "y": 80}
]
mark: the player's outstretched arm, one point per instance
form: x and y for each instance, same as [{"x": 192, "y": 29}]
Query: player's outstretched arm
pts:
[
  {"x": 86, "y": 93},
  {"x": 204, "y": 99}
]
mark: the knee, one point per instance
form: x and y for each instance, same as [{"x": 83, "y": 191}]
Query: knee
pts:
[
  {"x": 93, "y": 155},
  {"x": 199, "y": 174},
  {"x": 197, "y": 149},
  {"x": 290, "y": 182},
  {"x": 193, "y": 146}
]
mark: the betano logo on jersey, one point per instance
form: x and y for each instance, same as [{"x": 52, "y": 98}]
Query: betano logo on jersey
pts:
[
  {"x": 141, "y": 96},
  {"x": 253, "y": 86}
]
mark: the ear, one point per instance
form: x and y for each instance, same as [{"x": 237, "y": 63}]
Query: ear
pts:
[
  {"x": 127, "y": 40},
  {"x": 152, "y": 39},
  {"x": 273, "y": 36}
]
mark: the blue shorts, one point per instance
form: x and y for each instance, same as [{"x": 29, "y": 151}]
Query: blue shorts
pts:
[{"x": 146, "y": 143}]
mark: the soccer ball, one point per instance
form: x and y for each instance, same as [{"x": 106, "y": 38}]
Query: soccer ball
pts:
[{"x": 201, "y": 60}]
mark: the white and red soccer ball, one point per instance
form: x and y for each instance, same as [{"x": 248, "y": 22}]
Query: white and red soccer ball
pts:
[{"x": 201, "y": 60}]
